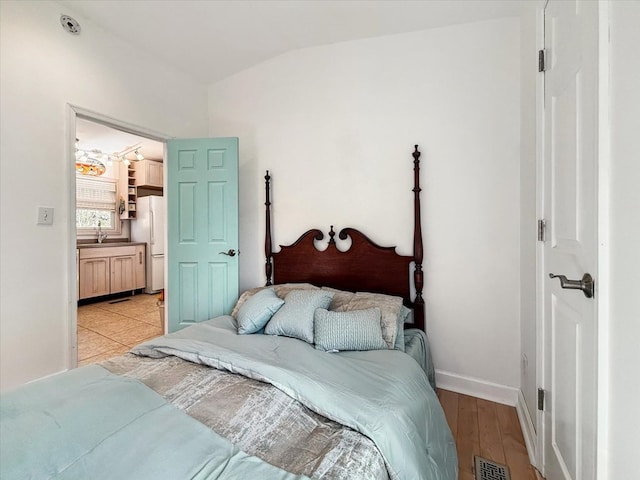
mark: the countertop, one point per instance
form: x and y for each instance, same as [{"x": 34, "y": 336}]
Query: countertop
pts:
[{"x": 108, "y": 244}]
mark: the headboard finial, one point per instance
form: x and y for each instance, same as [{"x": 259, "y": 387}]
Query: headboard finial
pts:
[{"x": 332, "y": 234}]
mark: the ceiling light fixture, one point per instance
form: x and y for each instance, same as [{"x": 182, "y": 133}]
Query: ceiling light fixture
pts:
[{"x": 95, "y": 162}]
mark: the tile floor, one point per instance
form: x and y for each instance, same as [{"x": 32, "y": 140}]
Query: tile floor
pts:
[{"x": 107, "y": 329}]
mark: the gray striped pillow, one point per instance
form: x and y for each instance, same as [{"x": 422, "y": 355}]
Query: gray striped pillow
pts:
[{"x": 353, "y": 330}]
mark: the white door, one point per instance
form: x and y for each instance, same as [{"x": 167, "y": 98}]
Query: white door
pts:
[{"x": 570, "y": 248}]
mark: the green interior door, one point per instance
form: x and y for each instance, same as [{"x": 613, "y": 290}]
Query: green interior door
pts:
[{"x": 202, "y": 225}]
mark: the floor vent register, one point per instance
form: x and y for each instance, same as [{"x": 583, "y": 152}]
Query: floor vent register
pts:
[{"x": 488, "y": 470}]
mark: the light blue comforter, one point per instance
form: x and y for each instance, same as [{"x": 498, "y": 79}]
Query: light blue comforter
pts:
[
  {"x": 383, "y": 394},
  {"x": 91, "y": 424}
]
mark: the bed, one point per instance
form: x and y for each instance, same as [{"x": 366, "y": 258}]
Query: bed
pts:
[{"x": 324, "y": 372}]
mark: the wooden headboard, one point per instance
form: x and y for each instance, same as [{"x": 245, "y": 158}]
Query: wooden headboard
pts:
[{"x": 364, "y": 267}]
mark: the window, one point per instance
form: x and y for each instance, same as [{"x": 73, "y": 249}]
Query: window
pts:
[{"x": 96, "y": 205}]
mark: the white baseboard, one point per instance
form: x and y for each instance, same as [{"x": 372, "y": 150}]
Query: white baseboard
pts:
[
  {"x": 496, "y": 393},
  {"x": 528, "y": 429},
  {"x": 477, "y": 388}
]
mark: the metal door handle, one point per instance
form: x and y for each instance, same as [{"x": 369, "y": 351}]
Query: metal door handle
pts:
[
  {"x": 231, "y": 253},
  {"x": 587, "y": 285}
]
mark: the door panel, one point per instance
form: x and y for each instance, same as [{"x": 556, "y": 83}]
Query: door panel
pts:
[
  {"x": 202, "y": 222},
  {"x": 188, "y": 293},
  {"x": 569, "y": 204},
  {"x": 217, "y": 304},
  {"x": 565, "y": 344}
]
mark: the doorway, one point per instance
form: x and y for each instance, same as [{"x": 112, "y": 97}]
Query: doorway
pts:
[{"x": 114, "y": 304}]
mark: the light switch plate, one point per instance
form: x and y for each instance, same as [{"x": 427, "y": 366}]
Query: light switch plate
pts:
[{"x": 45, "y": 215}]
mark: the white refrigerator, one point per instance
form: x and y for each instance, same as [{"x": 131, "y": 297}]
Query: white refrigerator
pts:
[{"x": 148, "y": 227}]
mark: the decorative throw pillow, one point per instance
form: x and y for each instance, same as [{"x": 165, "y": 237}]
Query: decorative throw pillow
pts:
[
  {"x": 281, "y": 291},
  {"x": 354, "y": 330},
  {"x": 295, "y": 318},
  {"x": 389, "y": 308},
  {"x": 340, "y": 298},
  {"x": 243, "y": 298},
  {"x": 257, "y": 311},
  {"x": 402, "y": 318}
]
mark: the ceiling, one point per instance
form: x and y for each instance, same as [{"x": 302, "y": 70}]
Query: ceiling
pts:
[
  {"x": 212, "y": 40},
  {"x": 95, "y": 136}
]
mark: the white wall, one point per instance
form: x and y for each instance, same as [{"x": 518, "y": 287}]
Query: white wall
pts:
[
  {"x": 336, "y": 126},
  {"x": 43, "y": 69},
  {"x": 623, "y": 323}
]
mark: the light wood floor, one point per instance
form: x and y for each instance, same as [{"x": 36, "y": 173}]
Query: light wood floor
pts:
[
  {"x": 111, "y": 328},
  {"x": 488, "y": 429}
]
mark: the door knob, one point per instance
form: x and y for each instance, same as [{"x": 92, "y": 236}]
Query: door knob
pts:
[
  {"x": 587, "y": 285},
  {"x": 230, "y": 253}
]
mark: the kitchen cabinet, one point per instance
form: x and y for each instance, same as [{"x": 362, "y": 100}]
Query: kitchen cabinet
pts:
[
  {"x": 93, "y": 277},
  {"x": 103, "y": 270},
  {"x": 149, "y": 174},
  {"x": 122, "y": 273}
]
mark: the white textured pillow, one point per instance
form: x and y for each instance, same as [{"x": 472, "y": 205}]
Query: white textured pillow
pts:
[
  {"x": 257, "y": 311},
  {"x": 355, "y": 330},
  {"x": 295, "y": 318}
]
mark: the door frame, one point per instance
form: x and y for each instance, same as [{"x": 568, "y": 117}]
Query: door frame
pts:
[
  {"x": 72, "y": 113},
  {"x": 540, "y": 128},
  {"x": 603, "y": 245}
]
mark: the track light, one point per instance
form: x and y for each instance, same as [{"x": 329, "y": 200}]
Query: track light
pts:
[{"x": 94, "y": 162}]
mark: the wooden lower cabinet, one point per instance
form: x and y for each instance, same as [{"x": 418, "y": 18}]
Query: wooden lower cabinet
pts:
[
  {"x": 121, "y": 269},
  {"x": 123, "y": 274},
  {"x": 94, "y": 277}
]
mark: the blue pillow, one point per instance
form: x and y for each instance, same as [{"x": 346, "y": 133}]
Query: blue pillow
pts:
[
  {"x": 254, "y": 314},
  {"x": 295, "y": 318},
  {"x": 352, "y": 330}
]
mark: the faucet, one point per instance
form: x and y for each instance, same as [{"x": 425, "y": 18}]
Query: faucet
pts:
[{"x": 101, "y": 235}]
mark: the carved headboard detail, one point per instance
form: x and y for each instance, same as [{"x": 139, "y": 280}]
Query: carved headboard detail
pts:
[{"x": 365, "y": 266}]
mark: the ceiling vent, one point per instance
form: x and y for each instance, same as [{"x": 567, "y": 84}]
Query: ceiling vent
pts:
[{"x": 71, "y": 25}]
